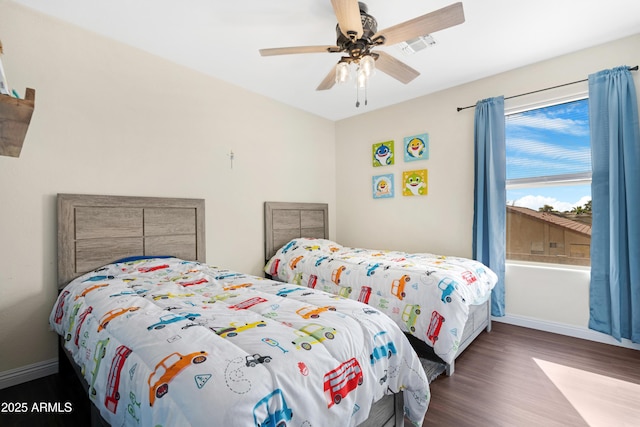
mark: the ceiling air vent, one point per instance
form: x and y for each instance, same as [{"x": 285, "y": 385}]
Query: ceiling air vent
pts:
[{"x": 415, "y": 45}]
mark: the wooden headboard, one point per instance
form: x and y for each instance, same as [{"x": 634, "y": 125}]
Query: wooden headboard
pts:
[
  {"x": 284, "y": 221},
  {"x": 95, "y": 230}
]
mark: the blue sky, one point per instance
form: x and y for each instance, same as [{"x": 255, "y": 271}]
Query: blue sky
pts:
[{"x": 549, "y": 141}]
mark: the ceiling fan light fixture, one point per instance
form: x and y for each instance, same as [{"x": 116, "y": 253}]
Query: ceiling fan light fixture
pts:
[
  {"x": 367, "y": 65},
  {"x": 361, "y": 78},
  {"x": 357, "y": 34},
  {"x": 342, "y": 72}
]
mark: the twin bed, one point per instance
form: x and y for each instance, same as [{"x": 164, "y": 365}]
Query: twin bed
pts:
[
  {"x": 159, "y": 337},
  {"x": 442, "y": 302}
]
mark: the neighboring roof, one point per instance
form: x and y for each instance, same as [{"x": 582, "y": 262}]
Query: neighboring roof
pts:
[{"x": 560, "y": 221}]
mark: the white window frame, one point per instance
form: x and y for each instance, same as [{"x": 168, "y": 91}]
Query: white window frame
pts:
[{"x": 512, "y": 107}]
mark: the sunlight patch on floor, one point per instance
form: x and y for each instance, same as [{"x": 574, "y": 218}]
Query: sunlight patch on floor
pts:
[{"x": 600, "y": 400}]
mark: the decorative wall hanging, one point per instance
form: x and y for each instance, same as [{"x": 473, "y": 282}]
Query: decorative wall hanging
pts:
[
  {"x": 415, "y": 183},
  {"x": 416, "y": 147},
  {"x": 383, "y": 186},
  {"x": 382, "y": 153}
]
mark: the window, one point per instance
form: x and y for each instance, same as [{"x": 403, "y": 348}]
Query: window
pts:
[{"x": 549, "y": 184}]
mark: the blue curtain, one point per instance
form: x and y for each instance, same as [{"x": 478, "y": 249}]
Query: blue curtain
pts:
[
  {"x": 614, "y": 297},
  {"x": 490, "y": 194}
]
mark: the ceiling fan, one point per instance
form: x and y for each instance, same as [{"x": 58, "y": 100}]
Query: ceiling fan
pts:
[{"x": 358, "y": 34}]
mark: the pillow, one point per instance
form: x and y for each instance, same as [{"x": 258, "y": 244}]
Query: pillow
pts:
[{"x": 140, "y": 257}]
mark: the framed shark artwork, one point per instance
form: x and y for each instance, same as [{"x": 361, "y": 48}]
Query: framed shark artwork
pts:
[
  {"x": 383, "y": 186},
  {"x": 416, "y": 147},
  {"x": 382, "y": 153},
  {"x": 415, "y": 183}
]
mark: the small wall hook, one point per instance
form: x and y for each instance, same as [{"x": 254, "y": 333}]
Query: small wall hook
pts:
[{"x": 231, "y": 156}]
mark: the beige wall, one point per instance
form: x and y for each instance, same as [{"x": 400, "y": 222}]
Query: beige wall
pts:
[
  {"x": 110, "y": 119},
  {"x": 441, "y": 222}
]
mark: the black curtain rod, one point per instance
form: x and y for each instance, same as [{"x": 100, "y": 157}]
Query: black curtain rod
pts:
[{"x": 542, "y": 90}]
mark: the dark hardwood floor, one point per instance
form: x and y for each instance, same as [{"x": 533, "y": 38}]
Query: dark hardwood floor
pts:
[{"x": 496, "y": 383}]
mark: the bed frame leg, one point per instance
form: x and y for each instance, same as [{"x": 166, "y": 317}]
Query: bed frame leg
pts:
[
  {"x": 489, "y": 315},
  {"x": 450, "y": 368},
  {"x": 65, "y": 369},
  {"x": 398, "y": 400}
]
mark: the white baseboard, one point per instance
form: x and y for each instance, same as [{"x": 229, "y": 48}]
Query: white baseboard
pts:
[
  {"x": 28, "y": 373},
  {"x": 564, "y": 329}
]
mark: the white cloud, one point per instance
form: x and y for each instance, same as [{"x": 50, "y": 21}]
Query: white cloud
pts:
[
  {"x": 544, "y": 122},
  {"x": 531, "y": 167},
  {"x": 530, "y": 157},
  {"x": 583, "y": 201},
  {"x": 528, "y": 146},
  {"x": 536, "y": 202}
]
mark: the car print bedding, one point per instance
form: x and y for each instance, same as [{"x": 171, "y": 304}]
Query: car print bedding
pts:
[
  {"x": 427, "y": 295},
  {"x": 168, "y": 342}
]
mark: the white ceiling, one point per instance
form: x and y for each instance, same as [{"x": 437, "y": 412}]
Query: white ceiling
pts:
[{"x": 222, "y": 37}]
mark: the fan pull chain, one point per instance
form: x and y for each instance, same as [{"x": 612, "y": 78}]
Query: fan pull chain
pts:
[
  {"x": 358, "y": 95},
  {"x": 366, "y": 86}
]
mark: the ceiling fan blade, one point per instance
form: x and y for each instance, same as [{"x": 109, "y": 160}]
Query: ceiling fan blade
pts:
[
  {"x": 395, "y": 68},
  {"x": 328, "y": 81},
  {"x": 298, "y": 49},
  {"x": 348, "y": 14},
  {"x": 422, "y": 25}
]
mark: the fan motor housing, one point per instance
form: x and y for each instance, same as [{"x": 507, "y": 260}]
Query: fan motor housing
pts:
[{"x": 361, "y": 46}]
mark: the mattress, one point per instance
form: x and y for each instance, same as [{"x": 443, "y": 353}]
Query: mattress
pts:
[
  {"x": 427, "y": 295},
  {"x": 168, "y": 342}
]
